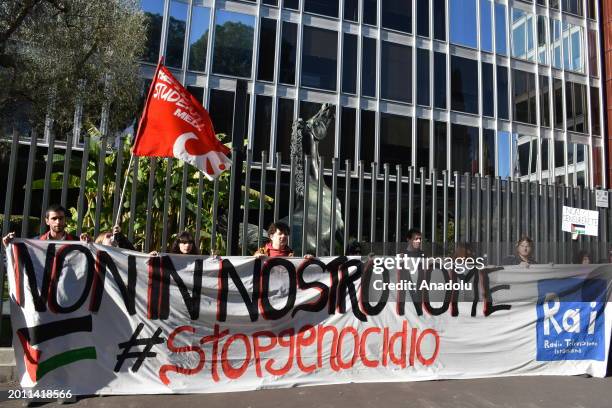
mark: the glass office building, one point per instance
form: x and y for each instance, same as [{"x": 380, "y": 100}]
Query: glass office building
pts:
[{"x": 500, "y": 88}]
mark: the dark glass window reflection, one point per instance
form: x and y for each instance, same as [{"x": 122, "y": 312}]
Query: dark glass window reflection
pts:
[
  {"x": 500, "y": 29},
  {"x": 422, "y": 17},
  {"x": 422, "y": 76},
  {"x": 197, "y": 92},
  {"x": 544, "y": 101},
  {"x": 368, "y": 134},
  {"x": 464, "y": 84},
  {"x": 349, "y": 64},
  {"x": 502, "y": 92},
  {"x": 577, "y": 114},
  {"x": 284, "y": 122},
  {"x": 396, "y": 72},
  {"x": 198, "y": 38},
  {"x": 395, "y": 138},
  {"x": 369, "y": 12},
  {"x": 397, "y": 15},
  {"x": 524, "y": 96},
  {"x": 368, "y": 67},
  {"x": 573, "y": 6},
  {"x": 326, "y": 146},
  {"x": 221, "y": 109},
  {"x": 439, "y": 80},
  {"x": 176, "y": 34},
  {"x": 288, "y": 50},
  {"x": 559, "y": 154},
  {"x": 323, "y": 7},
  {"x": 263, "y": 125},
  {"x": 439, "y": 147},
  {"x": 464, "y": 149},
  {"x": 545, "y": 154},
  {"x": 319, "y": 58},
  {"x": 347, "y": 134},
  {"x": 422, "y": 144},
  {"x": 595, "y": 110},
  {"x": 153, "y": 16},
  {"x": 488, "y": 152},
  {"x": 439, "y": 17},
  {"x": 267, "y": 47},
  {"x": 351, "y": 10},
  {"x": 558, "y": 97},
  {"x": 291, "y": 4},
  {"x": 233, "y": 51},
  {"x": 488, "y": 100}
]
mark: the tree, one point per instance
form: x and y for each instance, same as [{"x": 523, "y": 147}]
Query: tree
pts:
[
  {"x": 47, "y": 46},
  {"x": 233, "y": 49}
]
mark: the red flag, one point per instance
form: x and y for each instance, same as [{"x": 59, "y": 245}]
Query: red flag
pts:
[{"x": 175, "y": 124}]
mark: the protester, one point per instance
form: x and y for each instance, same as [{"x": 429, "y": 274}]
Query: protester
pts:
[
  {"x": 524, "y": 253},
  {"x": 55, "y": 219},
  {"x": 463, "y": 250},
  {"x": 184, "y": 244},
  {"x": 278, "y": 233},
  {"x": 415, "y": 241},
  {"x": 114, "y": 238},
  {"x": 582, "y": 257}
]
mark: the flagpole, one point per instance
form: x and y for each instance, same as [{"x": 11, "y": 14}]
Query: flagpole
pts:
[{"x": 127, "y": 173}]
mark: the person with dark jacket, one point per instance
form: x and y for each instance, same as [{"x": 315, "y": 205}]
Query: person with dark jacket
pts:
[
  {"x": 524, "y": 253},
  {"x": 415, "y": 243},
  {"x": 184, "y": 244}
]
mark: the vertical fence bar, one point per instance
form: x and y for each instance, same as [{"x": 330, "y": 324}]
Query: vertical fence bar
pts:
[
  {"x": 27, "y": 201},
  {"x": 215, "y": 217},
  {"x": 306, "y": 204},
  {"x": 423, "y": 186},
  {"x": 100, "y": 170},
  {"x": 374, "y": 179},
  {"x": 457, "y": 215},
  {"x": 152, "y": 169},
  {"x": 198, "y": 221},
  {"x": 81, "y": 199},
  {"x": 76, "y": 133},
  {"x": 247, "y": 196},
  {"x": 410, "y": 195},
  {"x": 386, "y": 206},
  {"x": 133, "y": 198},
  {"x": 398, "y": 206},
  {"x": 262, "y": 195},
  {"x": 47, "y": 182},
  {"x": 166, "y": 211},
  {"x": 360, "y": 202},
  {"x": 517, "y": 200},
  {"x": 10, "y": 187},
  {"x": 231, "y": 215},
  {"x": 478, "y": 220},
  {"x": 508, "y": 216},
  {"x": 488, "y": 215},
  {"x": 118, "y": 184},
  {"x": 277, "y": 182},
  {"x": 498, "y": 217},
  {"x": 332, "y": 217},
  {"x": 536, "y": 218},
  {"x": 434, "y": 205},
  {"x": 555, "y": 234},
  {"x": 445, "y": 208},
  {"x": 526, "y": 194},
  {"x": 467, "y": 204},
  {"x": 347, "y": 205},
  {"x": 291, "y": 199},
  {"x": 545, "y": 230},
  {"x": 182, "y": 211},
  {"x": 319, "y": 209}
]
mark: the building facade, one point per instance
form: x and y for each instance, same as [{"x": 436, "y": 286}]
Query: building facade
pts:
[{"x": 502, "y": 88}]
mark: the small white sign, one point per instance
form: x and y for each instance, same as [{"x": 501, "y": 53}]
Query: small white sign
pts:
[
  {"x": 579, "y": 221},
  {"x": 601, "y": 198}
]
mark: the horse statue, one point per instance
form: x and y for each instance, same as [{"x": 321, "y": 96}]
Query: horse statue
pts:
[{"x": 305, "y": 137}]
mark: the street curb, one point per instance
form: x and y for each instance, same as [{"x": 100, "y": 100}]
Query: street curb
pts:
[{"x": 8, "y": 369}]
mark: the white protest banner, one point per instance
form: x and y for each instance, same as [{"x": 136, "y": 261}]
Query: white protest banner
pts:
[
  {"x": 601, "y": 198},
  {"x": 99, "y": 320},
  {"x": 579, "y": 221}
]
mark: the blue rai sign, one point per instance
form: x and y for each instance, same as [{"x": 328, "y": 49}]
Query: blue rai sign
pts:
[{"x": 570, "y": 322}]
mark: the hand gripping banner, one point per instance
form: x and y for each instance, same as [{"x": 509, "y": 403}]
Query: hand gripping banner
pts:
[{"x": 101, "y": 320}]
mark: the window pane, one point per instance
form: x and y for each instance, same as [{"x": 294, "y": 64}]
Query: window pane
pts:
[
  {"x": 221, "y": 109},
  {"x": 291, "y": 4},
  {"x": 326, "y": 146},
  {"x": 395, "y": 138},
  {"x": 500, "y": 29},
  {"x": 439, "y": 80},
  {"x": 423, "y": 77},
  {"x": 198, "y": 38},
  {"x": 524, "y": 96},
  {"x": 288, "y": 50},
  {"x": 542, "y": 41},
  {"x": 523, "y": 155},
  {"x": 347, "y": 134},
  {"x": 593, "y": 69},
  {"x": 572, "y": 47},
  {"x": 197, "y": 92},
  {"x": 233, "y": 44},
  {"x": 439, "y": 19},
  {"x": 522, "y": 35},
  {"x": 176, "y": 34},
  {"x": 488, "y": 152},
  {"x": 397, "y": 15},
  {"x": 502, "y": 92},
  {"x": 369, "y": 12},
  {"x": 439, "y": 146},
  {"x": 270, "y": 2},
  {"x": 555, "y": 32},
  {"x": 396, "y": 72},
  {"x": 581, "y": 114},
  {"x": 533, "y": 163},
  {"x": 263, "y": 125},
  {"x": 423, "y": 18},
  {"x": 504, "y": 154},
  {"x": 464, "y": 85},
  {"x": 324, "y": 7},
  {"x": 545, "y": 154},
  {"x": 559, "y": 154},
  {"x": 544, "y": 101},
  {"x": 464, "y": 149},
  {"x": 422, "y": 144},
  {"x": 486, "y": 24},
  {"x": 558, "y": 96},
  {"x": 319, "y": 58},
  {"x": 267, "y": 47},
  {"x": 368, "y": 130},
  {"x": 351, "y": 11},
  {"x": 488, "y": 99},
  {"x": 153, "y": 20},
  {"x": 573, "y": 6},
  {"x": 349, "y": 65},
  {"x": 368, "y": 66},
  {"x": 283, "y": 128},
  {"x": 462, "y": 15},
  {"x": 595, "y": 110},
  {"x": 592, "y": 9}
]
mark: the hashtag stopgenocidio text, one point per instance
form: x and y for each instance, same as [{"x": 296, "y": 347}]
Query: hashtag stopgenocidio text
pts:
[{"x": 413, "y": 264}]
